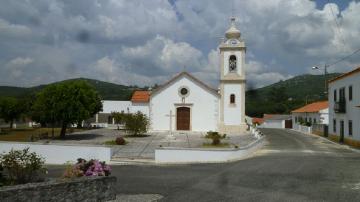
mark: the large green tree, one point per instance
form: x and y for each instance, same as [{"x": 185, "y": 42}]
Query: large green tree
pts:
[
  {"x": 66, "y": 103},
  {"x": 10, "y": 109}
]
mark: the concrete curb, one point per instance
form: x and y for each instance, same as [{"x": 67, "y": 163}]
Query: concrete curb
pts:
[
  {"x": 249, "y": 150},
  {"x": 200, "y": 155}
]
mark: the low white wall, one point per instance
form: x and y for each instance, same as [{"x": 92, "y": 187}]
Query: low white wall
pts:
[
  {"x": 301, "y": 128},
  {"x": 199, "y": 155},
  {"x": 273, "y": 124},
  {"x": 60, "y": 154}
]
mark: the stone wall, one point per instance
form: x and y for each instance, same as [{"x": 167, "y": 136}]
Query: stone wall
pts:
[{"x": 78, "y": 189}]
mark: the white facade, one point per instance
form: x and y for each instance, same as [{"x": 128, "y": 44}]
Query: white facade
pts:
[
  {"x": 321, "y": 117},
  {"x": 347, "y": 122},
  {"x": 233, "y": 111},
  {"x": 203, "y": 104},
  {"x": 116, "y": 106},
  {"x": 273, "y": 124},
  {"x": 232, "y": 82},
  {"x": 142, "y": 107}
]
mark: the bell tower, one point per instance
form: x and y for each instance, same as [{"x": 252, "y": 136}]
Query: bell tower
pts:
[{"x": 232, "y": 82}]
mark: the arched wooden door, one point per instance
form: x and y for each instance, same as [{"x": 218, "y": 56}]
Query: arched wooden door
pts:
[{"x": 183, "y": 118}]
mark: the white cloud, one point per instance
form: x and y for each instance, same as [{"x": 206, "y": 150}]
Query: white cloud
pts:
[
  {"x": 144, "y": 42},
  {"x": 19, "y": 61}
]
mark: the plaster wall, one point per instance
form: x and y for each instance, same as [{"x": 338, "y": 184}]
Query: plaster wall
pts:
[
  {"x": 202, "y": 102},
  {"x": 233, "y": 112},
  {"x": 352, "y": 109},
  {"x": 60, "y": 154}
]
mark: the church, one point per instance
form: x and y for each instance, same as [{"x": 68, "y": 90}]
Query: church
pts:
[{"x": 185, "y": 103}]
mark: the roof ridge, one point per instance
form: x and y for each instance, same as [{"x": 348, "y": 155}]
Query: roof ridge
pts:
[{"x": 178, "y": 75}]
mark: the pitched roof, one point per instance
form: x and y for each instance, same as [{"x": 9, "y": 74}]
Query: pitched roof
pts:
[
  {"x": 313, "y": 107},
  {"x": 140, "y": 96},
  {"x": 357, "y": 70},
  {"x": 181, "y": 74},
  {"x": 276, "y": 117},
  {"x": 257, "y": 120}
]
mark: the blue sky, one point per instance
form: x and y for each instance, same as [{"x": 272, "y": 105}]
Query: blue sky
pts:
[{"x": 146, "y": 42}]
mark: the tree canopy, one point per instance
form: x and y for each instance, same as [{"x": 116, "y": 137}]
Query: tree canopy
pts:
[
  {"x": 66, "y": 103},
  {"x": 10, "y": 109}
]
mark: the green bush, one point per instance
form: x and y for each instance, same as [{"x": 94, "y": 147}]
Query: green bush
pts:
[
  {"x": 21, "y": 166},
  {"x": 136, "y": 124},
  {"x": 120, "y": 141},
  {"x": 215, "y": 137}
]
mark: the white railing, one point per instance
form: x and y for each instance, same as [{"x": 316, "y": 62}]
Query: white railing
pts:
[
  {"x": 301, "y": 128},
  {"x": 255, "y": 131}
]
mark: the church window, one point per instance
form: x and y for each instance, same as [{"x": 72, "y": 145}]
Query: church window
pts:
[
  {"x": 183, "y": 91},
  {"x": 232, "y": 63},
  {"x": 232, "y": 99}
]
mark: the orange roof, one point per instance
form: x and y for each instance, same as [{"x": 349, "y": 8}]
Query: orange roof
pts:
[
  {"x": 257, "y": 120},
  {"x": 313, "y": 107},
  {"x": 140, "y": 96},
  {"x": 345, "y": 75}
]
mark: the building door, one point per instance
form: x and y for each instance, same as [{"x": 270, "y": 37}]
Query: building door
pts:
[
  {"x": 288, "y": 123},
  {"x": 341, "y": 131},
  {"x": 183, "y": 118}
]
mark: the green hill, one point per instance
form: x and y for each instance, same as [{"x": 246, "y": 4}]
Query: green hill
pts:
[
  {"x": 284, "y": 96},
  {"x": 107, "y": 91},
  {"x": 280, "y": 97}
]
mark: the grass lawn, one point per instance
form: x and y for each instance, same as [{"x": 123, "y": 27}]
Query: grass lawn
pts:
[{"x": 24, "y": 134}]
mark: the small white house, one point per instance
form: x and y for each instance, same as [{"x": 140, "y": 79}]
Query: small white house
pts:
[
  {"x": 344, "y": 107},
  {"x": 276, "y": 121},
  {"x": 314, "y": 113}
]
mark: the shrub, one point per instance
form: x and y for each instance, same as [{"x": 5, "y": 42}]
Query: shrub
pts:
[
  {"x": 87, "y": 168},
  {"x": 136, "y": 124},
  {"x": 215, "y": 136},
  {"x": 120, "y": 141},
  {"x": 21, "y": 166}
]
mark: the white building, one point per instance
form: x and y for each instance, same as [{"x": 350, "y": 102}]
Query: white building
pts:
[
  {"x": 344, "y": 107},
  {"x": 314, "y": 113},
  {"x": 276, "y": 121},
  {"x": 185, "y": 103}
]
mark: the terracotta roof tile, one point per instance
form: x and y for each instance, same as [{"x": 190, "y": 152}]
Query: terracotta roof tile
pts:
[
  {"x": 313, "y": 107},
  {"x": 140, "y": 96},
  {"x": 257, "y": 120}
]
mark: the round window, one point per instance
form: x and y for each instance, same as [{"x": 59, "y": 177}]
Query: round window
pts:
[{"x": 183, "y": 91}]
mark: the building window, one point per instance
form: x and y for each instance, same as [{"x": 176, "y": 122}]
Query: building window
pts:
[
  {"x": 350, "y": 92},
  {"x": 232, "y": 63},
  {"x": 334, "y": 125},
  {"x": 314, "y": 120},
  {"x": 296, "y": 119},
  {"x": 335, "y": 98},
  {"x": 342, "y": 94},
  {"x": 350, "y": 127},
  {"x": 232, "y": 99},
  {"x": 184, "y": 91}
]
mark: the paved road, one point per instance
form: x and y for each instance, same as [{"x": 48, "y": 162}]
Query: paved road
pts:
[{"x": 291, "y": 167}]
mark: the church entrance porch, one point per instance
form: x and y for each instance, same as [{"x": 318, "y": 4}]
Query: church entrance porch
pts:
[{"x": 183, "y": 118}]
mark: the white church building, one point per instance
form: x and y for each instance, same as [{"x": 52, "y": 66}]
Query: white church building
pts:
[{"x": 185, "y": 103}]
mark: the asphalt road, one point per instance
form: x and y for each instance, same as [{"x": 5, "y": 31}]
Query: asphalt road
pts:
[{"x": 290, "y": 167}]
